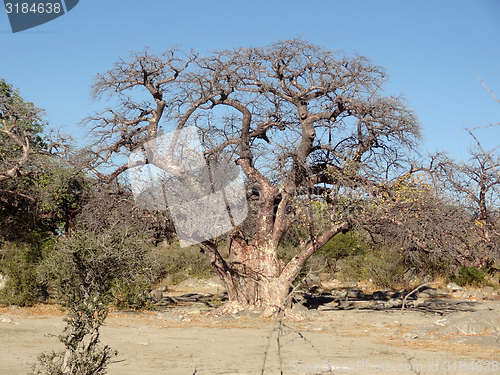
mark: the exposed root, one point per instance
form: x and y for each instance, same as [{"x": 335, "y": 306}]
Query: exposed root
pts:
[
  {"x": 231, "y": 307},
  {"x": 271, "y": 311}
]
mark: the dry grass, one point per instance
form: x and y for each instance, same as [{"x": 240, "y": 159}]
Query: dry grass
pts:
[
  {"x": 441, "y": 344},
  {"x": 36, "y": 310}
]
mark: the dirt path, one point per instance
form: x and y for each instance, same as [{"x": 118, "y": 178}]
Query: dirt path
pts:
[{"x": 350, "y": 341}]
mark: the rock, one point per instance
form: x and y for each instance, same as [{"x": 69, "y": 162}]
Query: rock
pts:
[
  {"x": 156, "y": 295},
  {"x": 300, "y": 309},
  {"x": 476, "y": 294},
  {"x": 483, "y": 322},
  {"x": 167, "y": 300},
  {"x": 433, "y": 304},
  {"x": 475, "y": 323},
  {"x": 394, "y": 302},
  {"x": 402, "y": 293},
  {"x": 339, "y": 294},
  {"x": 312, "y": 313},
  {"x": 379, "y": 295},
  {"x": 349, "y": 284},
  {"x": 162, "y": 288},
  {"x": 488, "y": 290},
  {"x": 312, "y": 281},
  {"x": 226, "y": 317},
  {"x": 443, "y": 292},
  {"x": 169, "y": 317},
  {"x": 454, "y": 286},
  {"x": 487, "y": 341},
  {"x": 332, "y": 284},
  {"x": 366, "y": 304},
  {"x": 433, "y": 293},
  {"x": 424, "y": 295},
  {"x": 317, "y": 289},
  {"x": 43, "y": 297},
  {"x": 427, "y": 279},
  {"x": 188, "y": 284},
  {"x": 252, "y": 313},
  {"x": 418, "y": 302},
  {"x": 314, "y": 301},
  {"x": 298, "y": 297},
  {"x": 347, "y": 305},
  {"x": 422, "y": 330},
  {"x": 462, "y": 294},
  {"x": 410, "y": 276},
  {"x": 355, "y": 293},
  {"x": 190, "y": 297},
  {"x": 215, "y": 283},
  {"x": 6, "y": 319}
]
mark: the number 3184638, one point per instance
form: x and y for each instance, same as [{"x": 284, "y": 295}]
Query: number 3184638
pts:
[{"x": 34, "y": 8}]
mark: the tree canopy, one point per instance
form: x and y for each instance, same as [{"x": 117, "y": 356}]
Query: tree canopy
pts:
[{"x": 301, "y": 122}]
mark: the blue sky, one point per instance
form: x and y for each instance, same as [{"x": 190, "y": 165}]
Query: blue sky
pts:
[{"x": 432, "y": 50}]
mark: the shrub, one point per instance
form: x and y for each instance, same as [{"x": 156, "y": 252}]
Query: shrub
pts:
[
  {"x": 341, "y": 246},
  {"x": 19, "y": 262},
  {"x": 436, "y": 265},
  {"x": 186, "y": 261},
  {"x": 131, "y": 294},
  {"x": 470, "y": 276},
  {"x": 83, "y": 270},
  {"x": 383, "y": 265}
]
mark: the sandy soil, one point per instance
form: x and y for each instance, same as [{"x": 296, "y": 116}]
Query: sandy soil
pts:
[{"x": 349, "y": 341}]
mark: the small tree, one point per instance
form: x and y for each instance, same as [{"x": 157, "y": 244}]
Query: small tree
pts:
[
  {"x": 413, "y": 214},
  {"x": 475, "y": 186},
  {"x": 26, "y": 156},
  {"x": 488, "y": 187},
  {"x": 21, "y": 137},
  {"x": 83, "y": 270}
]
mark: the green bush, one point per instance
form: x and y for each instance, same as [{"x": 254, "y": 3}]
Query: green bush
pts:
[
  {"x": 19, "y": 263},
  {"x": 131, "y": 294},
  {"x": 341, "y": 246},
  {"x": 84, "y": 269},
  {"x": 384, "y": 266},
  {"x": 326, "y": 259},
  {"x": 186, "y": 261},
  {"x": 470, "y": 276},
  {"x": 286, "y": 251}
]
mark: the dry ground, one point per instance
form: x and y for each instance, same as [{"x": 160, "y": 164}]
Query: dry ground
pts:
[{"x": 350, "y": 341}]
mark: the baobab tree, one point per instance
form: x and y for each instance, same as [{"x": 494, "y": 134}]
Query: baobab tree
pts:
[{"x": 310, "y": 129}]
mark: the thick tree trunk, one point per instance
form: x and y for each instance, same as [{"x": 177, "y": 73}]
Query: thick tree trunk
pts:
[
  {"x": 254, "y": 277},
  {"x": 247, "y": 292}
]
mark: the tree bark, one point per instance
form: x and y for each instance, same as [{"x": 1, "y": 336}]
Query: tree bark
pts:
[{"x": 256, "y": 278}]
